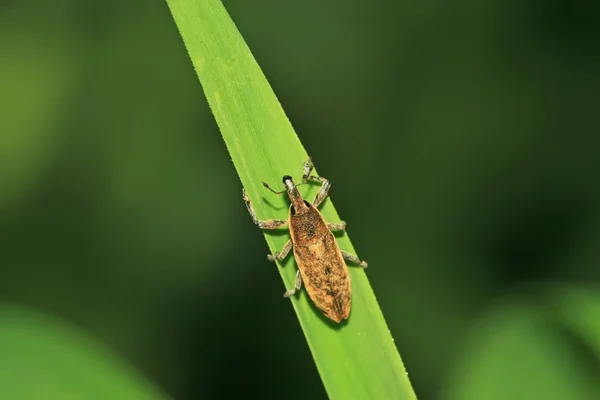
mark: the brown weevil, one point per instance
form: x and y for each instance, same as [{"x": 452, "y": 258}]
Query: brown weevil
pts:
[{"x": 321, "y": 263}]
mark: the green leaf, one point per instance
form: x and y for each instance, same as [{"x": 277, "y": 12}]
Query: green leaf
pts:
[
  {"x": 42, "y": 358},
  {"x": 578, "y": 309},
  {"x": 519, "y": 349},
  {"x": 357, "y": 359}
]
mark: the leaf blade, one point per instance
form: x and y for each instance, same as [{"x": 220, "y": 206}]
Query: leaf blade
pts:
[{"x": 355, "y": 360}]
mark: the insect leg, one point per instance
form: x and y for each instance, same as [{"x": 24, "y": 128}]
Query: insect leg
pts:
[
  {"x": 337, "y": 226},
  {"x": 322, "y": 193},
  {"x": 281, "y": 254},
  {"x": 268, "y": 224},
  {"x": 352, "y": 258},
  {"x": 297, "y": 286},
  {"x": 307, "y": 168}
]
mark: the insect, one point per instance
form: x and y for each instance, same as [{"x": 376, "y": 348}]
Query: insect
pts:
[{"x": 321, "y": 263}]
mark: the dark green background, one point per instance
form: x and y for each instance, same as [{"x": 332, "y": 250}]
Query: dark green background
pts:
[{"x": 461, "y": 139}]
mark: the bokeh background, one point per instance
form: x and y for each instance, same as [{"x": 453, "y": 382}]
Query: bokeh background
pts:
[{"x": 461, "y": 139}]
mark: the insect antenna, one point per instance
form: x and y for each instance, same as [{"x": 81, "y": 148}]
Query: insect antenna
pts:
[{"x": 265, "y": 184}]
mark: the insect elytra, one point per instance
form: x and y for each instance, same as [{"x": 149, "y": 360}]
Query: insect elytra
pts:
[{"x": 321, "y": 264}]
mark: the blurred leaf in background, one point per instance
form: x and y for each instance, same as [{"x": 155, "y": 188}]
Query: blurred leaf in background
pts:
[
  {"x": 461, "y": 142},
  {"x": 43, "y": 358},
  {"x": 523, "y": 349}
]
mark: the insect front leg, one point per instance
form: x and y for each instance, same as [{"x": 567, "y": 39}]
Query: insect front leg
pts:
[
  {"x": 283, "y": 253},
  {"x": 267, "y": 224},
  {"x": 297, "y": 286},
  {"x": 337, "y": 226},
  {"x": 354, "y": 259},
  {"x": 307, "y": 167}
]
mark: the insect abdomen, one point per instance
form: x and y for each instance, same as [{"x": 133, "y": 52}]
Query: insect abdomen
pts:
[
  {"x": 325, "y": 276},
  {"x": 324, "y": 272}
]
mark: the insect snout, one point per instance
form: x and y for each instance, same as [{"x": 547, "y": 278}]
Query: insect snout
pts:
[{"x": 286, "y": 178}]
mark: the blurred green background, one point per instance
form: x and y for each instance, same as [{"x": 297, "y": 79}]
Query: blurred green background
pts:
[{"x": 462, "y": 144}]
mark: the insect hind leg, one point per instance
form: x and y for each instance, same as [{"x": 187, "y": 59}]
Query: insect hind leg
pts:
[
  {"x": 297, "y": 286},
  {"x": 354, "y": 259}
]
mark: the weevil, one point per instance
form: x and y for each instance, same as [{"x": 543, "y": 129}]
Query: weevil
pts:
[{"x": 321, "y": 264}]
